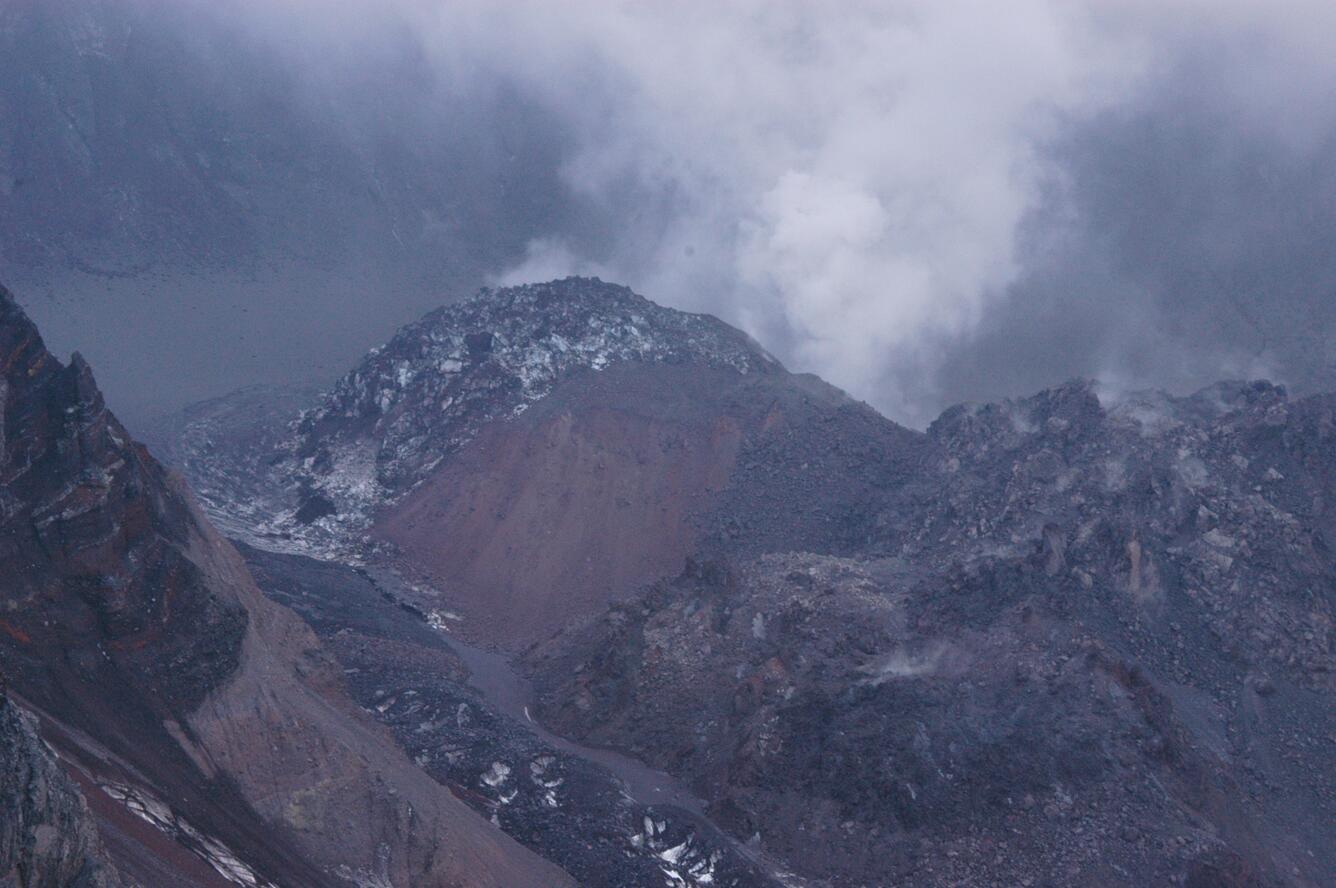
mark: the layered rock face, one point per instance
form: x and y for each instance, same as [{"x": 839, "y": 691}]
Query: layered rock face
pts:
[
  {"x": 174, "y": 688},
  {"x": 95, "y": 541}
]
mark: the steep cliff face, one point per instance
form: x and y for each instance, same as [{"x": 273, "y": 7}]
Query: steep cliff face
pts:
[
  {"x": 174, "y": 687},
  {"x": 47, "y": 835},
  {"x": 94, "y": 540}
]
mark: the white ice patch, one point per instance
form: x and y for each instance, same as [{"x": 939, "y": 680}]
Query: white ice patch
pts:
[
  {"x": 437, "y": 619},
  {"x": 499, "y": 773},
  {"x": 682, "y": 863},
  {"x": 160, "y": 815}
]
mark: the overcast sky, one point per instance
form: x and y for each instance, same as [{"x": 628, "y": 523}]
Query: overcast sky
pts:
[{"x": 923, "y": 202}]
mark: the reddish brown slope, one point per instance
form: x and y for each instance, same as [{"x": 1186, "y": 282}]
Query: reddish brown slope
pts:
[
  {"x": 587, "y": 494},
  {"x": 615, "y": 479}
]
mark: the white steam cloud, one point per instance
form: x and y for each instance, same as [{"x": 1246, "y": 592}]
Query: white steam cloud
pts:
[
  {"x": 845, "y": 180},
  {"x": 849, "y": 181}
]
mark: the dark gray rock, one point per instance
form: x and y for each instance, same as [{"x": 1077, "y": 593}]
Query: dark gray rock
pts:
[
  {"x": 1100, "y": 650},
  {"x": 47, "y": 836}
]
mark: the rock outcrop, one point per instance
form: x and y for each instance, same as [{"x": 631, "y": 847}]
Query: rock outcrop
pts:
[{"x": 47, "y": 835}]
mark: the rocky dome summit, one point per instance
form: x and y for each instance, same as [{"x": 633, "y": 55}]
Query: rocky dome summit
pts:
[
  {"x": 385, "y": 425},
  {"x": 502, "y": 350}
]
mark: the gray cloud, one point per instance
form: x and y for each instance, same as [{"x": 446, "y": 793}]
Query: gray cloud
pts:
[
  {"x": 847, "y": 184},
  {"x": 1187, "y": 238},
  {"x": 923, "y": 202}
]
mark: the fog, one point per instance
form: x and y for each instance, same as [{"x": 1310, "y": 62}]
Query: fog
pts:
[{"x": 922, "y": 202}]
